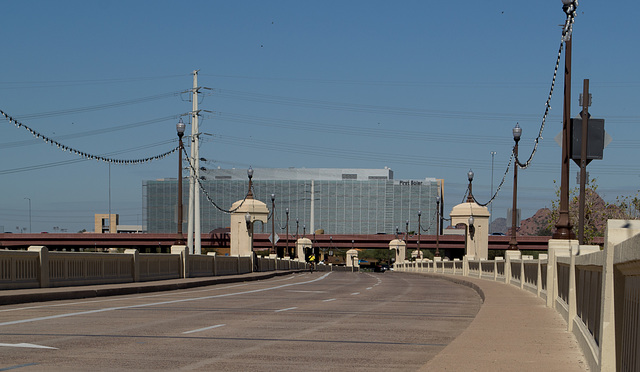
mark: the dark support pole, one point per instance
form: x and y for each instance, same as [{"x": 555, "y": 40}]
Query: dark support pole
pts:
[
  {"x": 438, "y": 222},
  {"x": 583, "y": 159},
  {"x": 563, "y": 226},
  {"x": 287, "y": 250},
  {"x": 419, "y": 227},
  {"x": 273, "y": 224},
  {"x": 513, "y": 242},
  {"x": 180, "y": 129}
]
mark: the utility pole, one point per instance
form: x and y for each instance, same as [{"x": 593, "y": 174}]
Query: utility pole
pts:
[
  {"x": 194, "y": 193},
  {"x": 493, "y": 154},
  {"x": 563, "y": 226},
  {"x": 583, "y": 159}
]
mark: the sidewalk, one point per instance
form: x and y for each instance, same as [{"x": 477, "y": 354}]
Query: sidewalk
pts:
[
  {"x": 513, "y": 331},
  {"x": 18, "y": 296}
]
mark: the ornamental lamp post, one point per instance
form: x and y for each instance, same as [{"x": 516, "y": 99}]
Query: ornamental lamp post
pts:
[
  {"x": 250, "y": 175},
  {"x": 513, "y": 243},
  {"x": 286, "y": 211},
  {"x": 180, "y": 130},
  {"x": 470, "y": 194},
  {"x": 273, "y": 224},
  {"x": 438, "y": 226},
  {"x": 419, "y": 228},
  {"x": 406, "y": 234}
]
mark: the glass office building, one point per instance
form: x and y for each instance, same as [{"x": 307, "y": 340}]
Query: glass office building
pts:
[{"x": 338, "y": 201}]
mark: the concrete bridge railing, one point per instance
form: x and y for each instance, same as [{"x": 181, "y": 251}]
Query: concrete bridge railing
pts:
[
  {"x": 596, "y": 291},
  {"x": 39, "y": 268}
]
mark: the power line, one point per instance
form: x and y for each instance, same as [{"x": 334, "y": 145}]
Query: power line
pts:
[
  {"x": 67, "y": 83},
  {"x": 97, "y": 107}
]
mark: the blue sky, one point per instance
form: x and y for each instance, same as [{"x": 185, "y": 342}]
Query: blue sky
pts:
[{"x": 427, "y": 88}]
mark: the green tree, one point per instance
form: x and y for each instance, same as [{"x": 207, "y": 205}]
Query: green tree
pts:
[{"x": 596, "y": 210}]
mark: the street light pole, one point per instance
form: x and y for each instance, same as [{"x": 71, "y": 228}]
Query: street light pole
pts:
[
  {"x": 513, "y": 243},
  {"x": 470, "y": 194},
  {"x": 273, "y": 224},
  {"x": 286, "y": 211},
  {"x": 493, "y": 154},
  {"x": 406, "y": 234},
  {"x": 180, "y": 129},
  {"x": 563, "y": 226},
  {"x": 438, "y": 226},
  {"x": 29, "y": 214},
  {"x": 419, "y": 228},
  {"x": 352, "y": 257}
]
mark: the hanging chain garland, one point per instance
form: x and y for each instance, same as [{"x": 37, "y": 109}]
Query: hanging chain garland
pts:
[
  {"x": 567, "y": 30},
  {"x": 206, "y": 194},
  {"x": 84, "y": 154},
  {"x": 504, "y": 177},
  {"x": 428, "y": 227}
]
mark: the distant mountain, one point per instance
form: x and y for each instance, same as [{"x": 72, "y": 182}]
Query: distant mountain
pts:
[
  {"x": 597, "y": 213},
  {"x": 535, "y": 224},
  {"x": 530, "y": 226},
  {"x": 499, "y": 225}
]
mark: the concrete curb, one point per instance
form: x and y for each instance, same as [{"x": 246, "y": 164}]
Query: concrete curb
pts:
[
  {"x": 460, "y": 281},
  {"x": 21, "y": 296},
  {"x": 513, "y": 331}
]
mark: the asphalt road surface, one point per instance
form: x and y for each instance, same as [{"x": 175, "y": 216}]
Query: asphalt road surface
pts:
[{"x": 302, "y": 322}]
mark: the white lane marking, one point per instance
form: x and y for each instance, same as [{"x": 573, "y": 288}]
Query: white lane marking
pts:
[
  {"x": 145, "y": 296},
  {"x": 330, "y": 299},
  {"x": 369, "y": 288},
  {"x": 31, "y": 346},
  {"x": 158, "y": 303},
  {"x": 355, "y": 293},
  {"x": 119, "y": 299},
  {"x": 204, "y": 329},
  {"x": 287, "y": 309},
  {"x": 308, "y": 291}
]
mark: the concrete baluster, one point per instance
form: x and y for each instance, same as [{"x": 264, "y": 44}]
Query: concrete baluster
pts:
[
  {"x": 43, "y": 261},
  {"x": 135, "y": 264}
]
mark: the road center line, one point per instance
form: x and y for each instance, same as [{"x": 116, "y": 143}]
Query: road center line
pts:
[
  {"x": 159, "y": 303},
  {"x": 31, "y": 346},
  {"x": 287, "y": 309},
  {"x": 330, "y": 299},
  {"x": 355, "y": 293},
  {"x": 204, "y": 329}
]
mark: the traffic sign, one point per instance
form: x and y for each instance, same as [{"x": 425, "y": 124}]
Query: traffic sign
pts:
[{"x": 271, "y": 238}]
